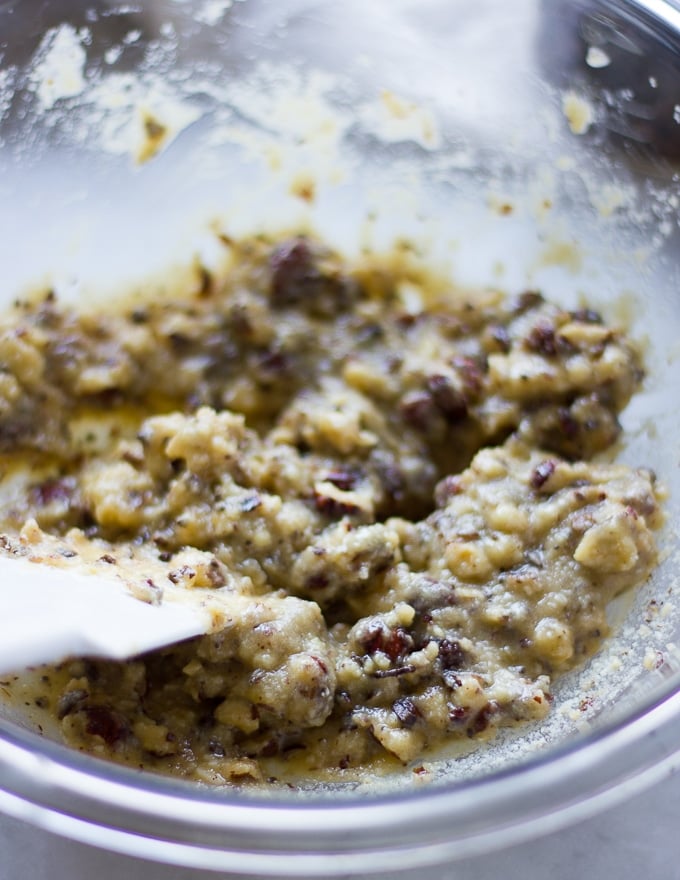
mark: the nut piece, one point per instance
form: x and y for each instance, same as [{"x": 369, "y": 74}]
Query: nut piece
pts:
[{"x": 609, "y": 546}]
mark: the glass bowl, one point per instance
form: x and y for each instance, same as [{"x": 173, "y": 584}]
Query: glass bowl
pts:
[{"x": 519, "y": 145}]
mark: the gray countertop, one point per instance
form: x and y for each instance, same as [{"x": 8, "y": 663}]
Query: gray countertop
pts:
[{"x": 638, "y": 840}]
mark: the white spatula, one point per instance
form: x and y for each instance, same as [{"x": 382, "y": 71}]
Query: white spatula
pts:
[{"x": 49, "y": 613}]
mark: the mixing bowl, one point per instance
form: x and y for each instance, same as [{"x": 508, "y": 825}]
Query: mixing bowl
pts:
[{"x": 522, "y": 145}]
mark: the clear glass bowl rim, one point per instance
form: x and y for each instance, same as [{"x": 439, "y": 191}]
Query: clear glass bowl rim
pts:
[{"x": 177, "y": 823}]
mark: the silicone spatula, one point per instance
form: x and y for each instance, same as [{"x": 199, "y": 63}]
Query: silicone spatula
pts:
[{"x": 49, "y": 613}]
